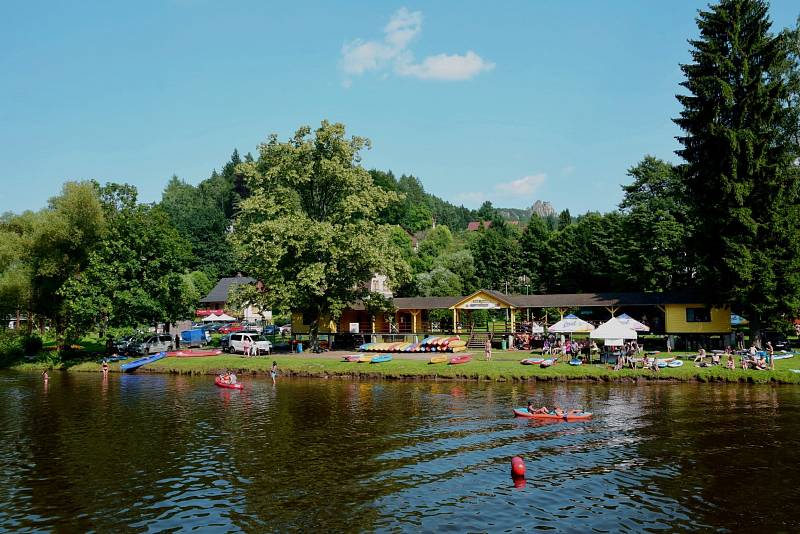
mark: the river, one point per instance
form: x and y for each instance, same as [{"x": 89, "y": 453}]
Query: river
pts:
[{"x": 150, "y": 453}]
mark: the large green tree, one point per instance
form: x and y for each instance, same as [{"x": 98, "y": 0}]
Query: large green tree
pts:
[
  {"x": 135, "y": 274},
  {"x": 741, "y": 183},
  {"x": 200, "y": 219},
  {"x": 655, "y": 227},
  {"x": 309, "y": 230}
]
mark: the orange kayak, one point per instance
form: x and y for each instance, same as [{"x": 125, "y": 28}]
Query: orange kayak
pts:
[{"x": 572, "y": 415}]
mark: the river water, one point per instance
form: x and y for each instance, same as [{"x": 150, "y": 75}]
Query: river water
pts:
[{"x": 149, "y": 453}]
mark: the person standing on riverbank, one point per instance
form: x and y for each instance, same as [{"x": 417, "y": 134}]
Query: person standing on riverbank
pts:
[
  {"x": 771, "y": 354},
  {"x": 487, "y": 348}
]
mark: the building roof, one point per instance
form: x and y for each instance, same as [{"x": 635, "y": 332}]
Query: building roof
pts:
[
  {"x": 223, "y": 287},
  {"x": 475, "y": 225}
]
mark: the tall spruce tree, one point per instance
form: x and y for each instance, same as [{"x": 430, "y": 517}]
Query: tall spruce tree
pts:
[{"x": 739, "y": 174}]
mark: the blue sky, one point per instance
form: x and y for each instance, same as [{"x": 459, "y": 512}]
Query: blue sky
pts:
[{"x": 510, "y": 102}]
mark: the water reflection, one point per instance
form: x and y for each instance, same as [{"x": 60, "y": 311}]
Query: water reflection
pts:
[{"x": 161, "y": 452}]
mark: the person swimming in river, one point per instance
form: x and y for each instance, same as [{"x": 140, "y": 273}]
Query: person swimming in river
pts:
[{"x": 45, "y": 375}]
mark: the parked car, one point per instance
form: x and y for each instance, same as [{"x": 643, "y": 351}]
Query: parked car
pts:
[
  {"x": 214, "y": 328},
  {"x": 286, "y": 329},
  {"x": 152, "y": 344},
  {"x": 778, "y": 339},
  {"x": 225, "y": 342},
  {"x": 271, "y": 330},
  {"x": 236, "y": 342},
  {"x": 122, "y": 344},
  {"x": 230, "y": 328}
]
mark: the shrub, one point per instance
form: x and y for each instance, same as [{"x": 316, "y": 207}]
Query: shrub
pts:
[{"x": 31, "y": 344}]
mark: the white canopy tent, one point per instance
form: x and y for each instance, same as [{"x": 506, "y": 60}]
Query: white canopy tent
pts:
[
  {"x": 570, "y": 325},
  {"x": 613, "y": 329},
  {"x": 226, "y": 318},
  {"x": 210, "y": 318},
  {"x": 632, "y": 323}
]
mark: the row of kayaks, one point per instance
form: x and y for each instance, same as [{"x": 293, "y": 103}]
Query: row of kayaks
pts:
[
  {"x": 429, "y": 344},
  {"x": 367, "y": 358},
  {"x": 570, "y": 415}
]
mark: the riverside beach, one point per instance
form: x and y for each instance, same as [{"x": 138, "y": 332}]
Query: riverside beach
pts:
[{"x": 505, "y": 366}]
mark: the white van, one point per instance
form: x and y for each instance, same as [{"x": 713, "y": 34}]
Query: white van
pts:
[
  {"x": 236, "y": 342},
  {"x": 154, "y": 343}
]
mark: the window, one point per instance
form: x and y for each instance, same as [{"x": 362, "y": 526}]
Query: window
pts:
[{"x": 698, "y": 315}]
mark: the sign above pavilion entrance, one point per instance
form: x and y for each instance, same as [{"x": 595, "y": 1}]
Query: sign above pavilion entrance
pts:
[{"x": 482, "y": 300}]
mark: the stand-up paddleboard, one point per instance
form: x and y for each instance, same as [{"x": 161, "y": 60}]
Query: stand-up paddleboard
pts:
[{"x": 135, "y": 364}]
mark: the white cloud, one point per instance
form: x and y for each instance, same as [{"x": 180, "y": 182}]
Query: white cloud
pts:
[
  {"x": 446, "y": 67},
  {"x": 527, "y": 185},
  {"x": 359, "y": 56},
  {"x": 403, "y": 27}
]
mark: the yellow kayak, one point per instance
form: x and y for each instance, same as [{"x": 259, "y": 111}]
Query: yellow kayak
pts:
[
  {"x": 438, "y": 359},
  {"x": 366, "y": 358}
]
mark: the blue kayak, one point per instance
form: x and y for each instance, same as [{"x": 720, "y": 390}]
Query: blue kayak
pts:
[
  {"x": 382, "y": 358},
  {"x": 135, "y": 364},
  {"x": 576, "y": 362}
]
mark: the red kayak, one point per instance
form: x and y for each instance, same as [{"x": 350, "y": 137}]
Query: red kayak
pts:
[
  {"x": 532, "y": 361},
  {"x": 572, "y": 415},
  {"x": 193, "y": 353},
  {"x": 352, "y": 358},
  {"x": 218, "y": 381},
  {"x": 460, "y": 359}
]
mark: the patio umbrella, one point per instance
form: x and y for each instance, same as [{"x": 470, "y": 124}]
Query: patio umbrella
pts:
[
  {"x": 613, "y": 329},
  {"x": 632, "y": 323},
  {"x": 570, "y": 325}
]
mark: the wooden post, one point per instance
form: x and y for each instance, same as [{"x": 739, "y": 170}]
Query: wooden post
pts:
[{"x": 455, "y": 320}]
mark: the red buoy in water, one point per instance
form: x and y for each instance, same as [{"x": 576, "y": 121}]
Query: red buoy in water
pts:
[{"x": 517, "y": 467}]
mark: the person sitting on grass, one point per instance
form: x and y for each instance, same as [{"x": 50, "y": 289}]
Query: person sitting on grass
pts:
[
  {"x": 701, "y": 355},
  {"x": 715, "y": 358},
  {"x": 762, "y": 363},
  {"x": 730, "y": 363}
]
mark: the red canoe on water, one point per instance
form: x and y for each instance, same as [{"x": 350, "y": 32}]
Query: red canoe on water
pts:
[
  {"x": 460, "y": 359},
  {"x": 193, "y": 353},
  {"x": 218, "y": 381}
]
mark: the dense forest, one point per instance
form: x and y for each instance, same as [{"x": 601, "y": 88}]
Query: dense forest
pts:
[{"x": 725, "y": 221}]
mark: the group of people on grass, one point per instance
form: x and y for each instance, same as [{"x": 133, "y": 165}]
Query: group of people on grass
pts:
[{"x": 751, "y": 359}]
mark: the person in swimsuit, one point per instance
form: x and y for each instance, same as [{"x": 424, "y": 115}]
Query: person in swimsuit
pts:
[
  {"x": 45, "y": 375},
  {"x": 273, "y": 372},
  {"x": 730, "y": 364},
  {"x": 105, "y": 367}
]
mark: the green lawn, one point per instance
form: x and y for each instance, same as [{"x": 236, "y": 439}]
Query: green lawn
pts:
[{"x": 505, "y": 366}]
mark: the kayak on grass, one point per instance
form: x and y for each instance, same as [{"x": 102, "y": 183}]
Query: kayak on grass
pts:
[
  {"x": 547, "y": 363},
  {"x": 381, "y": 358},
  {"x": 570, "y": 415},
  {"x": 576, "y": 362},
  {"x": 193, "y": 353},
  {"x": 531, "y": 361},
  {"x": 351, "y": 358},
  {"x": 438, "y": 359},
  {"x": 675, "y": 363},
  {"x": 456, "y": 360},
  {"x": 135, "y": 364},
  {"x": 221, "y": 383}
]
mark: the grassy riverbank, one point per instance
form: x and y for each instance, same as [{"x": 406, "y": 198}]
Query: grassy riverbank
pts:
[{"x": 504, "y": 367}]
